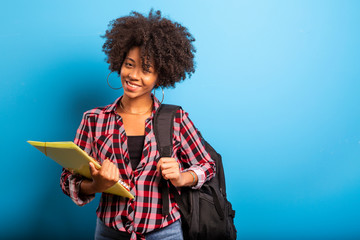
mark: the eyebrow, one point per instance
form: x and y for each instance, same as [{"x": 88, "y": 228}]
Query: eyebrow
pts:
[{"x": 130, "y": 59}]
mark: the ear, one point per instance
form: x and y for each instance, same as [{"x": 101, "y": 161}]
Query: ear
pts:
[{"x": 156, "y": 84}]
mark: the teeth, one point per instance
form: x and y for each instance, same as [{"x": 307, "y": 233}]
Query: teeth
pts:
[{"x": 131, "y": 84}]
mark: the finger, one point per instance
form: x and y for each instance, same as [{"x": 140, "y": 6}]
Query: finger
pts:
[
  {"x": 106, "y": 163},
  {"x": 106, "y": 166},
  {"x": 158, "y": 165},
  {"x": 168, "y": 160},
  {"x": 114, "y": 173},
  {"x": 170, "y": 165},
  {"x": 170, "y": 168},
  {"x": 171, "y": 176},
  {"x": 170, "y": 171},
  {"x": 164, "y": 176},
  {"x": 93, "y": 170}
]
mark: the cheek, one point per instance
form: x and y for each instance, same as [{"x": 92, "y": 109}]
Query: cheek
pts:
[
  {"x": 151, "y": 81},
  {"x": 123, "y": 72},
  {"x": 155, "y": 80}
]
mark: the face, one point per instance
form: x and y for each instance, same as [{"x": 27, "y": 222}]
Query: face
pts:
[{"x": 137, "y": 82}]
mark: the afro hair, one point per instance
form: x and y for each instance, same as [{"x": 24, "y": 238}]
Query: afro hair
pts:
[{"x": 167, "y": 44}]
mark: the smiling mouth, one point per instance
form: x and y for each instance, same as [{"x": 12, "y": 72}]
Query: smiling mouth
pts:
[{"x": 131, "y": 85}]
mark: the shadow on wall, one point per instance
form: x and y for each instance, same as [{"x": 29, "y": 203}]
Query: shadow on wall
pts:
[{"x": 77, "y": 86}]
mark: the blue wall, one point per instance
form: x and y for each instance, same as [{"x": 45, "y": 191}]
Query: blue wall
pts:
[{"x": 280, "y": 80}]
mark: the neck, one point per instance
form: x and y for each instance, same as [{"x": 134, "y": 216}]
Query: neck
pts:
[{"x": 136, "y": 105}]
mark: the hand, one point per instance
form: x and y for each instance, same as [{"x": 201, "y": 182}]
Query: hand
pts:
[
  {"x": 105, "y": 177},
  {"x": 170, "y": 170}
]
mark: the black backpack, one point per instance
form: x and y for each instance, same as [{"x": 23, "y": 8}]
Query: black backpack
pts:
[{"x": 206, "y": 214}]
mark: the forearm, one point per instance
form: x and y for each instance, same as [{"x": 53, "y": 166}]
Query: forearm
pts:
[
  {"x": 87, "y": 187},
  {"x": 193, "y": 151},
  {"x": 189, "y": 179},
  {"x": 70, "y": 184}
]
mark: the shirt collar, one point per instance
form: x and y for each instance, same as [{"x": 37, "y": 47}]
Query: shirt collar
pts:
[{"x": 112, "y": 107}]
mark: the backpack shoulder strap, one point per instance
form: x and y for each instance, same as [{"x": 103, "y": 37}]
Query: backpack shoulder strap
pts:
[{"x": 163, "y": 128}]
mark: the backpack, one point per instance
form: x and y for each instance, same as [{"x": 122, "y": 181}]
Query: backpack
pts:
[{"x": 205, "y": 213}]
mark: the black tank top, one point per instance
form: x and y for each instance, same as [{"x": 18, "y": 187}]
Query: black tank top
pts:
[{"x": 135, "y": 148}]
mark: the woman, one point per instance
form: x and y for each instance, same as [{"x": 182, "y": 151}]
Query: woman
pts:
[{"x": 147, "y": 52}]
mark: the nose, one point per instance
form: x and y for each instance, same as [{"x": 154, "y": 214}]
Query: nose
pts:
[{"x": 134, "y": 74}]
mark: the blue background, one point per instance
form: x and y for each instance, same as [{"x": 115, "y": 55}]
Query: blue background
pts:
[{"x": 276, "y": 92}]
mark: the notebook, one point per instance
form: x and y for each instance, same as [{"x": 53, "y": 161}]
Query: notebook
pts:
[{"x": 71, "y": 157}]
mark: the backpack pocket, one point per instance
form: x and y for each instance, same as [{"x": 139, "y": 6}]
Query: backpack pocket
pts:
[
  {"x": 229, "y": 220},
  {"x": 211, "y": 215}
]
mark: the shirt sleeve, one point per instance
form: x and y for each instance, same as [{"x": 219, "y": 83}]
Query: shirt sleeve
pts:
[
  {"x": 70, "y": 182},
  {"x": 193, "y": 152}
]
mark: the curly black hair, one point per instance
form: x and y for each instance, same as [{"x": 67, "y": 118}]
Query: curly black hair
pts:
[{"x": 168, "y": 44}]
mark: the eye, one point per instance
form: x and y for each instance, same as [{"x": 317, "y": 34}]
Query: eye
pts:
[
  {"x": 147, "y": 71},
  {"x": 128, "y": 64}
]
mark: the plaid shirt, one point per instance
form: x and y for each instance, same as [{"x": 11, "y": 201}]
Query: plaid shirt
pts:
[{"x": 102, "y": 135}]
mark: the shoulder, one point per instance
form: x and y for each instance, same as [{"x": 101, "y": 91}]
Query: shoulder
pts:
[
  {"x": 96, "y": 112},
  {"x": 105, "y": 110},
  {"x": 182, "y": 117},
  {"x": 179, "y": 115},
  {"x": 170, "y": 111}
]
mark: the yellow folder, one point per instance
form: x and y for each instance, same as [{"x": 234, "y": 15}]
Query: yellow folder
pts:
[{"x": 70, "y": 156}]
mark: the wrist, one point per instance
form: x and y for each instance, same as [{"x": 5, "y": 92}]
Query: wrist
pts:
[
  {"x": 96, "y": 187},
  {"x": 194, "y": 178},
  {"x": 88, "y": 187},
  {"x": 189, "y": 179}
]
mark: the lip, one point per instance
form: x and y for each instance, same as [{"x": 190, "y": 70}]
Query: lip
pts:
[
  {"x": 132, "y": 87},
  {"x": 132, "y": 83}
]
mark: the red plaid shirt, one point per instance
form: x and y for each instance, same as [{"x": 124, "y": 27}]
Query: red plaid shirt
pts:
[{"x": 102, "y": 135}]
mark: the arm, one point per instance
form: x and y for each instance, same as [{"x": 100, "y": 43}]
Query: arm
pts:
[
  {"x": 170, "y": 170},
  {"x": 71, "y": 183},
  {"x": 192, "y": 153},
  {"x": 102, "y": 178}
]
